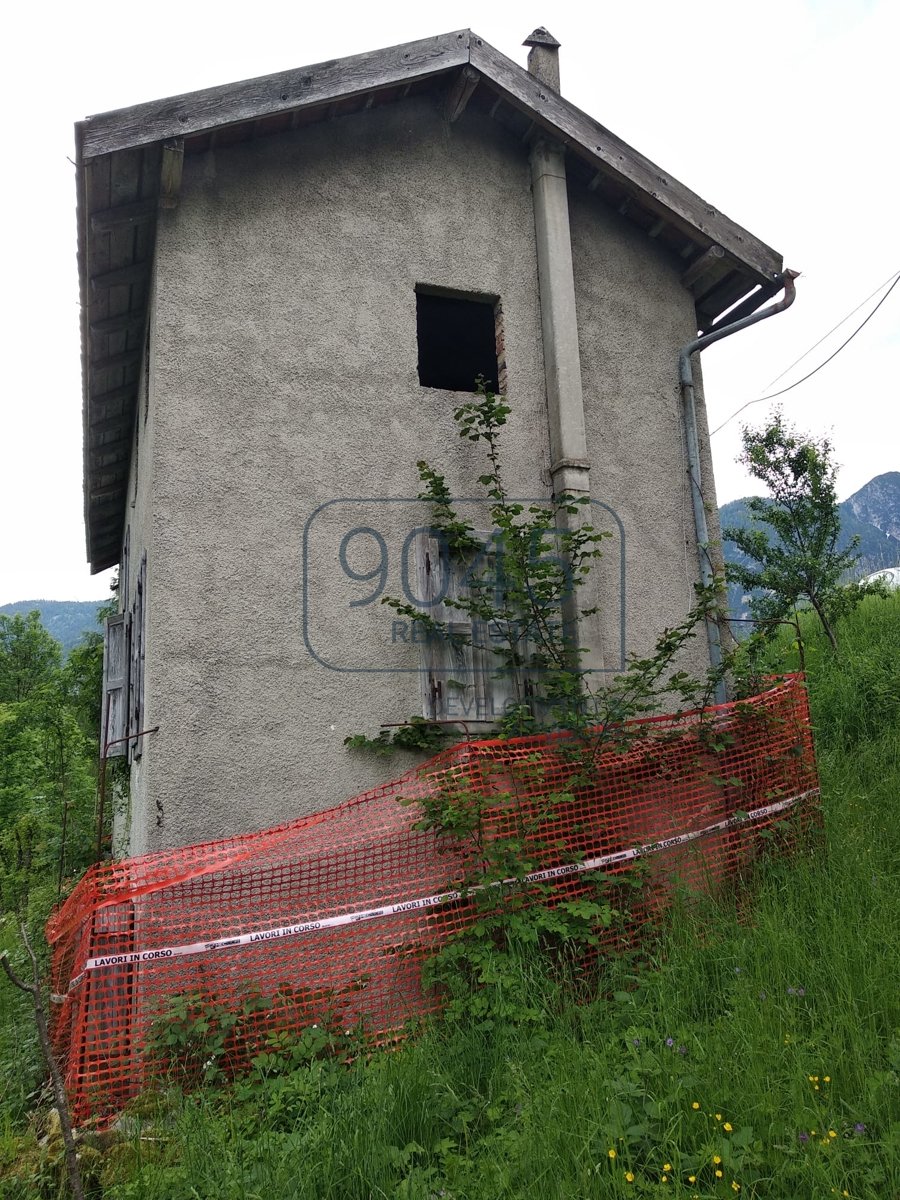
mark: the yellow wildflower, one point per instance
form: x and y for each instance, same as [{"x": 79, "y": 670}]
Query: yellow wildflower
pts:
[
  {"x": 735, "y": 1186},
  {"x": 667, "y": 1166},
  {"x": 611, "y": 1153},
  {"x": 695, "y": 1106},
  {"x": 718, "y": 1116},
  {"x": 815, "y": 1087},
  {"x": 629, "y": 1176},
  {"x": 831, "y": 1133},
  {"x": 718, "y": 1174},
  {"x": 716, "y": 1159},
  {"x": 727, "y": 1127},
  {"x": 665, "y": 1178},
  {"x": 692, "y": 1178},
  {"x": 828, "y": 1079}
]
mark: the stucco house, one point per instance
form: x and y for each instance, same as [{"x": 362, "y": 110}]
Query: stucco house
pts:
[{"x": 287, "y": 286}]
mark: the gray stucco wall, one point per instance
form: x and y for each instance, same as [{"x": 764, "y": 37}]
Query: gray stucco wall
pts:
[
  {"x": 283, "y": 375},
  {"x": 284, "y": 363},
  {"x": 633, "y": 318},
  {"x": 138, "y": 537}
]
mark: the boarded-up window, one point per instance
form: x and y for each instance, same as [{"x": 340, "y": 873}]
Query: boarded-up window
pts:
[
  {"x": 464, "y": 678},
  {"x": 114, "y": 717}
]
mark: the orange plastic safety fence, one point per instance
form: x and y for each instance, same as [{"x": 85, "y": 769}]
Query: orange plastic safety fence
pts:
[{"x": 327, "y": 919}]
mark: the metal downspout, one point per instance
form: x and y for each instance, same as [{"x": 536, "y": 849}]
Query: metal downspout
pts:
[{"x": 686, "y": 379}]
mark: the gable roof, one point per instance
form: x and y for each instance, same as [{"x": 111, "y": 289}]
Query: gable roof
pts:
[{"x": 129, "y": 166}]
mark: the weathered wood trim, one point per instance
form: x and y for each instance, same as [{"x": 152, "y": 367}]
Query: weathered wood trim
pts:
[
  {"x": 460, "y": 93},
  {"x": 123, "y": 214},
  {"x": 704, "y": 264},
  {"x": 321, "y": 83},
  {"x": 111, "y": 406},
  {"x": 747, "y": 306},
  {"x": 127, "y": 320},
  {"x": 656, "y": 190},
  {"x": 133, "y": 273},
  {"x": 117, "y": 423},
  {"x": 127, "y": 358},
  {"x": 107, "y": 508},
  {"x": 116, "y": 490},
  {"x": 170, "y": 172},
  {"x": 109, "y": 153},
  {"x": 121, "y": 447}
]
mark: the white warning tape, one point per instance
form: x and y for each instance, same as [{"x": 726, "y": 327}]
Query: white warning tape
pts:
[{"x": 404, "y": 906}]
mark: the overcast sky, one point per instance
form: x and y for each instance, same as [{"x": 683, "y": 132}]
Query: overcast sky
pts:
[{"x": 782, "y": 113}]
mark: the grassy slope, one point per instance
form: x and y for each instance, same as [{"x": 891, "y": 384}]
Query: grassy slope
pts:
[{"x": 804, "y": 985}]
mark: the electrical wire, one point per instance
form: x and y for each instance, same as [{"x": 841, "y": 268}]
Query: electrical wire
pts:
[
  {"x": 834, "y": 328},
  {"x": 825, "y": 362}
]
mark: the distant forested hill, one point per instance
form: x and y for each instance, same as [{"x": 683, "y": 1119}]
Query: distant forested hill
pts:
[
  {"x": 872, "y": 514},
  {"x": 67, "y": 620}
]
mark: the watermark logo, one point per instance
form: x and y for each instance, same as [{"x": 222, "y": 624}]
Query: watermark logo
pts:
[{"x": 359, "y": 552}]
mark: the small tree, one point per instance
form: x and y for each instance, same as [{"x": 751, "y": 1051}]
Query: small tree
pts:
[
  {"x": 29, "y": 656},
  {"x": 802, "y": 562}
]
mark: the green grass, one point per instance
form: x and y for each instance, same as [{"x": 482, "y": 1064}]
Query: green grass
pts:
[{"x": 800, "y": 982}]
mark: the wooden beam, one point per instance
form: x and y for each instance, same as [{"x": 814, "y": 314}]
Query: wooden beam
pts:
[
  {"x": 108, "y": 508},
  {"x": 322, "y": 83},
  {"x": 102, "y": 407},
  {"x": 460, "y": 93},
  {"x": 133, "y": 273},
  {"x": 105, "y": 558},
  {"x": 115, "y": 448},
  {"x": 133, "y": 319},
  {"x": 126, "y": 359},
  {"x": 115, "y": 395},
  {"x": 652, "y": 187},
  {"x": 702, "y": 265},
  {"x": 170, "y": 172},
  {"x": 123, "y": 214},
  {"x": 111, "y": 489},
  {"x": 749, "y": 304},
  {"x": 109, "y": 530},
  {"x": 109, "y": 421}
]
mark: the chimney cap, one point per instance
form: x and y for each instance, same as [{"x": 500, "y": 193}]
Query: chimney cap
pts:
[{"x": 541, "y": 37}]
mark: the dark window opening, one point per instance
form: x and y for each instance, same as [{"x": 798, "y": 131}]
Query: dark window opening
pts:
[{"x": 457, "y": 342}]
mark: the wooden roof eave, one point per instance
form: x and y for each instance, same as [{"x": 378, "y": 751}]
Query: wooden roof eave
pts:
[
  {"x": 337, "y": 79},
  {"x": 151, "y": 128},
  {"x": 634, "y": 173},
  {"x": 234, "y": 103},
  {"x": 81, "y": 218}
]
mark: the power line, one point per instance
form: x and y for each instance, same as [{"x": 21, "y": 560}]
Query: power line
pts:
[
  {"x": 825, "y": 362},
  {"x": 826, "y": 336}
]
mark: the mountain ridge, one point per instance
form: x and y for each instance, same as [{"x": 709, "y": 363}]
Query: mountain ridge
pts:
[
  {"x": 872, "y": 514},
  {"x": 66, "y": 620}
]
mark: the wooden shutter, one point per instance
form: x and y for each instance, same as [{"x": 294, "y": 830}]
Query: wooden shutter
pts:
[
  {"x": 114, "y": 717},
  {"x": 136, "y": 674},
  {"x": 462, "y": 678}
]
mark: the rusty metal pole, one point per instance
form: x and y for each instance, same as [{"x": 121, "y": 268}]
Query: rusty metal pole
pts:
[{"x": 101, "y": 805}]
